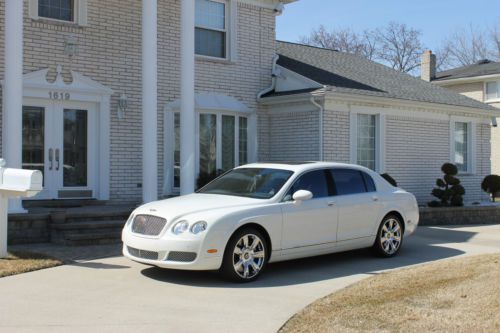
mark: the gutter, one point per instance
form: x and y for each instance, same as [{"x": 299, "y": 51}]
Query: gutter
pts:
[
  {"x": 321, "y": 117},
  {"x": 275, "y": 72}
]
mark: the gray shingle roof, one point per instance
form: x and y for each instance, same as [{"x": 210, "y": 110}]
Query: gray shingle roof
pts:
[
  {"x": 348, "y": 73},
  {"x": 481, "y": 68}
]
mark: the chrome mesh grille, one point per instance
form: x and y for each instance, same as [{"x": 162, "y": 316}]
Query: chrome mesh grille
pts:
[
  {"x": 148, "y": 225},
  {"x": 181, "y": 256},
  {"x": 143, "y": 254}
]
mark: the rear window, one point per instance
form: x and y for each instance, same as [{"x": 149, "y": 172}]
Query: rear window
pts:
[{"x": 348, "y": 181}]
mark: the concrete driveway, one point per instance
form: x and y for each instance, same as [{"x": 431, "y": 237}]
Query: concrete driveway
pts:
[{"x": 116, "y": 295}]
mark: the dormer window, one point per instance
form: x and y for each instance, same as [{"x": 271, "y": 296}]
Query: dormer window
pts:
[{"x": 63, "y": 10}]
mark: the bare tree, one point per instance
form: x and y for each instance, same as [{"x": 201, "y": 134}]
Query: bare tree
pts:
[
  {"x": 495, "y": 40},
  {"x": 467, "y": 46},
  {"x": 399, "y": 46}
]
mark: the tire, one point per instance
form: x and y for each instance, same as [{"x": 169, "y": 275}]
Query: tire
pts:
[
  {"x": 243, "y": 260},
  {"x": 389, "y": 237}
]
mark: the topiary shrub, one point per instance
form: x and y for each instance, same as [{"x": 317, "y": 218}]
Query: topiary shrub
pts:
[
  {"x": 206, "y": 177},
  {"x": 448, "y": 190},
  {"x": 389, "y": 179},
  {"x": 491, "y": 185}
]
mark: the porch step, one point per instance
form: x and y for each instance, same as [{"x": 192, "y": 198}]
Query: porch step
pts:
[
  {"x": 87, "y": 232},
  {"x": 62, "y": 203}
]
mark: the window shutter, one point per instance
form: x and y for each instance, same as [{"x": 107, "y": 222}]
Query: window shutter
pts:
[
  {"x": 33, "y": 9},
  {"x": 82, "y": 13}
]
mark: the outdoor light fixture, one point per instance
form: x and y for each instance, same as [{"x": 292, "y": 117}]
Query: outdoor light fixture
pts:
[
  {"x": 122, "y": 105},
  {"x": 70, "y": 45}
]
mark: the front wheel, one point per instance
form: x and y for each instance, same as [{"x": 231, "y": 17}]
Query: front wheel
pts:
[
  {"x": 389, "y": 237},
  {"x": 245, "y": 256}
]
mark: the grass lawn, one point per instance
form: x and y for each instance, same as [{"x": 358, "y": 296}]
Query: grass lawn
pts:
[
  {"x": 22, "y": 262},
  {"x": 459, "y": 295}
]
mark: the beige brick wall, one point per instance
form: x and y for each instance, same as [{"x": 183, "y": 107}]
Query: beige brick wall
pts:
[
  {"x": 109, "y": 51},
  {"x": 472, "y": 90},
  {"x": 336, "y": 138}
]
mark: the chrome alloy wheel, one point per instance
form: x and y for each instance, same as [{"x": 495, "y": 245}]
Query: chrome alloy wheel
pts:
[
  {"x": 390, "y": 236},
  {"x": 248, "y": 256}
]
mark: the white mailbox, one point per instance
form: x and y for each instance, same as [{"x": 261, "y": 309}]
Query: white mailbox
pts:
[{"x": 15, "y": 183}]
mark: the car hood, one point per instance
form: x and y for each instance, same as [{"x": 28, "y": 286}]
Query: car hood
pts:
[{"x": 177, "y": 207}]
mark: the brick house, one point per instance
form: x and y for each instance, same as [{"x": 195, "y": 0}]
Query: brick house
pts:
[
  {"x": 480, "y": 81},
  {"x": 101, "y": 92}
]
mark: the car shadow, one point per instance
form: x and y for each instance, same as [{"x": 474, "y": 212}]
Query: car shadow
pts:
[{"x": 417, "y": 250}]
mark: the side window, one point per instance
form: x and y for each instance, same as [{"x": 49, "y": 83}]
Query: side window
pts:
[
  {"x": 348, "y": 181},
  {"x": 315, "y": 181},
  {"x": 370, "y": 184}
]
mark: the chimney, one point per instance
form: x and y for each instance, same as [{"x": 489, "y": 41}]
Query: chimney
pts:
[{"x": 428, "y": 69}]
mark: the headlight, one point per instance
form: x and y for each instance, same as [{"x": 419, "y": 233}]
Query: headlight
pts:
[
  {"x": 180, "y": 227},
  {"x": 198, "y": 227}
]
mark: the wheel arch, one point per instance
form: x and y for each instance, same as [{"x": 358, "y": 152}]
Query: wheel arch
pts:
[
  {"x": 261, "y": 229},
  {"x": 398, "y": 215}
]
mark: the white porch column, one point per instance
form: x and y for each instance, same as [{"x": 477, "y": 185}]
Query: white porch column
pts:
[
  {"x": 188, "y": 119},
  {"x": 13, "y": 91},
  {"x": 149, "y": 101}
]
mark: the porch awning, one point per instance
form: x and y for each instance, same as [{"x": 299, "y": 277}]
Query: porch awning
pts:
[{"x": 215, "y": 102}]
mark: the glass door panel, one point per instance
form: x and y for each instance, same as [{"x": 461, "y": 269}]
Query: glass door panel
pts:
[
  {"x": 228, "y": 142},
  {"x": 34, "y": 138},
  {"x": 208, "y": 147},
  {"x": 75, "y": 163}
]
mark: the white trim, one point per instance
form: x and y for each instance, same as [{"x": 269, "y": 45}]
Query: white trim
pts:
[
  {"x": 80, "y": 13},
  {"x": 465, "y": 80},
  {"x": 471, "y": 143},
  {"x": 380, "y": 129},
  {"x": 485, "y": 92},
  {"x": 85, "y": 90}
]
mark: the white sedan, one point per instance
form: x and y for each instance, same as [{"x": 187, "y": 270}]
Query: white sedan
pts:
[{"x": 262, "y": 213}]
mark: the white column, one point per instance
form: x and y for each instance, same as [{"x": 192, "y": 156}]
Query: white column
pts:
[
  {"x": 13, "y": 91},
  {"x": 149, "y": 101},
  {"x": 188, "y": 134}
]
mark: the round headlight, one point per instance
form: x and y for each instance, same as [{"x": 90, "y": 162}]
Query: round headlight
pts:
[
  {"x": 199, "y": 227},
  {"x": 180, "y": 227}
]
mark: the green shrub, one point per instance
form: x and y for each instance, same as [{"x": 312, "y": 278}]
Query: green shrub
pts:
[
  {"x": 389, "y": 179},
  {"x": 491, "y": 185},
  {"x": 449, "y": 192}
]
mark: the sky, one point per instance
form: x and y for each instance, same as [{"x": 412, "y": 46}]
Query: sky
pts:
[{"x": 435, "y": 18}]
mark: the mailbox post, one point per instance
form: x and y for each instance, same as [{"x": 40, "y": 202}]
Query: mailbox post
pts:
[{"x": 15, "y": 183}]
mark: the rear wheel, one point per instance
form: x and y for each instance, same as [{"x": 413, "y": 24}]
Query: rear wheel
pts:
[
  {"x": 389, "y": 237},
  {"x": 245, "y": 256}
]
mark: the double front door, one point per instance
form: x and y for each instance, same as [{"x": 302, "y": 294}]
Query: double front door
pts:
[{"x": 59, "y": 140}]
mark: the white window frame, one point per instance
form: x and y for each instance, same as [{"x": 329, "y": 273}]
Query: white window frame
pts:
[
  {"x": 380, "y": 120},
  {"x": 79, "y": 15},
  {"x": 231, "y": 12},
  {"x": 491, "y": 100},
  {"x": 169, "y": 149},
  {"x": 471, "y": 143}
]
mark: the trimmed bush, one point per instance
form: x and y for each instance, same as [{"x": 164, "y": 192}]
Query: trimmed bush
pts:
[
  {"x": 491, "y": 185},
  {"x": 448, "y": 190},
  {"x": 389, "y": 179}
]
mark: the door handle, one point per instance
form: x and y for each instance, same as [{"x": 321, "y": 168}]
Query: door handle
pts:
[
  {"x": 331, "y": 203},
  {"x": 375, "y": 198},
  {"x": 51, "y": 157},
  {"x": 57, "y": 159}
]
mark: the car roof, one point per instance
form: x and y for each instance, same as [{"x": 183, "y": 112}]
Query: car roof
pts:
[{"x": 302, "y": 166}]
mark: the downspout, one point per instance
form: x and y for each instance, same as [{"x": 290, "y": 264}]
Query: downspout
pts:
[
  {"x": 275, "y": 73},
  {"x": 321, "y": 116}
]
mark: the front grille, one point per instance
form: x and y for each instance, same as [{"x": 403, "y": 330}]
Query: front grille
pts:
[
  {"x": 143, "y": 254},
  {"x": 181, "y": 256},
  {"x": 148, "y": 225}
]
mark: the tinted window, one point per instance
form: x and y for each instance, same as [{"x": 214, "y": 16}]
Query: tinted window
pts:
[
  {"x": 348, "y": 181},
  {"x": 370, "y": 184},
  {"x": 314, "y": 181}
]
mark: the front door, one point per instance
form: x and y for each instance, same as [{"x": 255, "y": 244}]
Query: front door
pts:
[{"x": 58, "y": 140}]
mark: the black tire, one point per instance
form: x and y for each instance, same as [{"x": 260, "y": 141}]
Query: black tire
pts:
[
  {"x": 228, "y": 268},
  {"x": 386, "y": 244}
]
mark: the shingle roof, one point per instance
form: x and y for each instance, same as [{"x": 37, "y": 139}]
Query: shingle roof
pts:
[
  {"x": 348, "y": 73},
  {"x": 484, "y": 67}
]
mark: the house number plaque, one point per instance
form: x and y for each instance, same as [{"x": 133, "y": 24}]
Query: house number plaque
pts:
[{"x": 57, "y": 95}]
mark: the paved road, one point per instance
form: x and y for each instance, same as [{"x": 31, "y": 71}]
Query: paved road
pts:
[{"x": 116, "y": 295}]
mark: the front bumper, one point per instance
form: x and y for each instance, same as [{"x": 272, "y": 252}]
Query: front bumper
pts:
[{"x": 134, "y": 246}]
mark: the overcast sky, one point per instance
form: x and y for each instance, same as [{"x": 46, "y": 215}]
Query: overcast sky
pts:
[{"x": 435, "y": 18}]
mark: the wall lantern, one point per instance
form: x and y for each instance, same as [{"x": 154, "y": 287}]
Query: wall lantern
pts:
[{"x": 122, "y": 105}]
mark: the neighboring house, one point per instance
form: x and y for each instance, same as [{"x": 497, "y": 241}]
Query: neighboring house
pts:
[
  {"x": 335, "y": 106},
  {"x": 480, "y": 81},
  {"x": 83, "y": 96},
  {"x": 93, "y": 93}
]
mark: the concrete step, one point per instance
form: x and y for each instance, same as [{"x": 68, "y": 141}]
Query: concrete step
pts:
[
  {"x": 114, "y": 224},
  {"x": 96, "y": 238},
  {"x": 62, "y": 203}
]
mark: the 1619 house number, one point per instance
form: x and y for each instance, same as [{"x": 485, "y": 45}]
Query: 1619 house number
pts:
[{"x": 59, "y": 95}]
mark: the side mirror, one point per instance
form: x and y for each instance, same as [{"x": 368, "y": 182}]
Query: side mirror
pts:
[{"x": 302, "y": 195}]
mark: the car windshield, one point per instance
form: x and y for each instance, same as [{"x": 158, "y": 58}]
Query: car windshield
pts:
[{"x": 257, "y": 183}]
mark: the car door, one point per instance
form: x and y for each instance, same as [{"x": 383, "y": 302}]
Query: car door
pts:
[
  {"x": 313, "y": 221},
  {"x": 357, "y": 202}
]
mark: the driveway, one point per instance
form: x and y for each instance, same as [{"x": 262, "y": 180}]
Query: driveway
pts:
[{"x": 117, "y": 295}]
